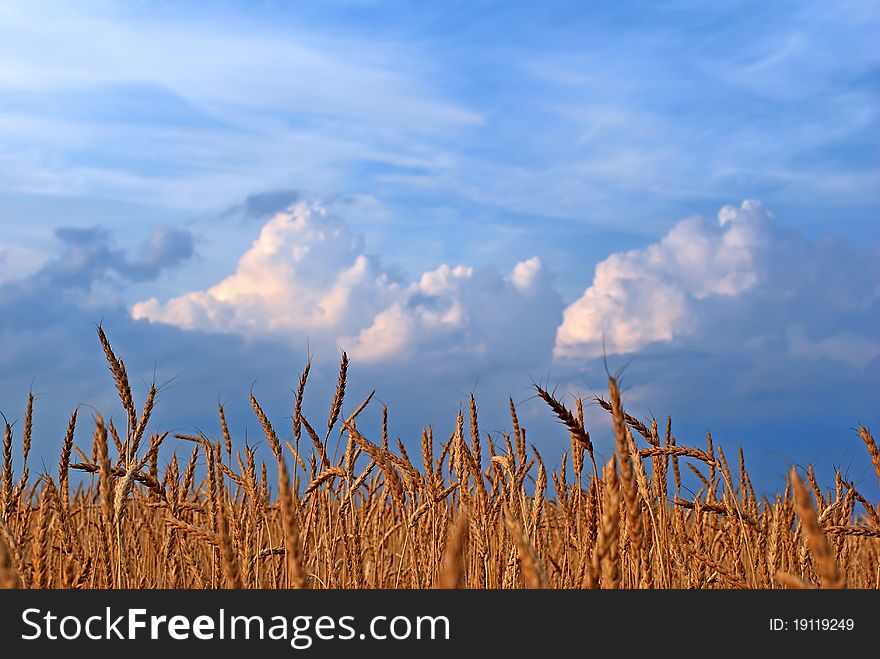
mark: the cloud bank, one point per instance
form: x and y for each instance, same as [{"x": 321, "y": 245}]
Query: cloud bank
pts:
[
  {"x": 737, "y": 283},
  {"x": 309, "y": 276},
  {"x": 727, "y": 285}
]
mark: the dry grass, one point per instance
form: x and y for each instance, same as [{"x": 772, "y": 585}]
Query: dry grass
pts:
[{"x": 476, "y": 514}]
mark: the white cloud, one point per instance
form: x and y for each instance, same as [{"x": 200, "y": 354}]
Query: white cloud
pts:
[
  {"x": 430, "y": 310},
  {"x": 525, "y": 274},
  {"x": 306, "y": 272},
  {"x": 462, "y": 313},
  {"x": 647, "y": 295},
  {"x": 308, "y": 276}
]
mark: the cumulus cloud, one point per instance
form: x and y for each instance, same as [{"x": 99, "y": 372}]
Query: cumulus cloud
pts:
[
  {"x": 738, "y": 282},
  {"x": 308, "y": 276},
  {"x": 647, "y": 295},
  {"x": 89, "y": 253},
  {"x": 306, "y": 272},
  {"x": 454, "y": 312}
]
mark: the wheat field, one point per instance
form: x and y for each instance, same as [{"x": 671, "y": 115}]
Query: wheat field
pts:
[{"x": 467, "y": 513}]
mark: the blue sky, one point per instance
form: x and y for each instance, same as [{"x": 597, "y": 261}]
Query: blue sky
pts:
[{"x": 485, "y": 192}]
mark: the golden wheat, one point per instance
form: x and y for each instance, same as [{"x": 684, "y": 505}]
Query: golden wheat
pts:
[{"x": 476, "y": 513}]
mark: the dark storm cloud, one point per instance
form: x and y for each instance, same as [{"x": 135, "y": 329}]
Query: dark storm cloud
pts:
[
  {"x": 89, "y": 254},
  {"x": 260, "y": 205}
]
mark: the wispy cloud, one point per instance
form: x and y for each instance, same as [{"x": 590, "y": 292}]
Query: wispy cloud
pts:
[
  {"x": 689, "y": 105},
  {"x": 220, "y": 107}
]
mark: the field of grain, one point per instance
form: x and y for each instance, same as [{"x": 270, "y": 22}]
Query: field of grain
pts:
[{"x": 467, "y": 513}]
